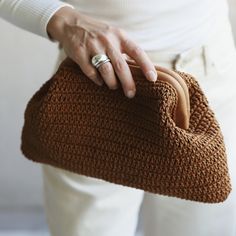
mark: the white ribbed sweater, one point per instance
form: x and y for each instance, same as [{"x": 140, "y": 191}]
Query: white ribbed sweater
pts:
[{"x": 165, "y": 25}]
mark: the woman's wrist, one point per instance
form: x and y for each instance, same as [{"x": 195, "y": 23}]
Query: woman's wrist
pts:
[{"x": 64, "y": 16}]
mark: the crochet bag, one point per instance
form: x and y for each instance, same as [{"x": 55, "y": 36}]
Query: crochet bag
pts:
[{"x": 165, "y": 140}]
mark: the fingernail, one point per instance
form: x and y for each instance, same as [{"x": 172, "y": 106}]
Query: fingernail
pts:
[
  {"x": 99, "y": 82},
  {"x": 130, "y": 93},
  {"x": 115, "y": 87},
  {"x": 152, "y": 75}
]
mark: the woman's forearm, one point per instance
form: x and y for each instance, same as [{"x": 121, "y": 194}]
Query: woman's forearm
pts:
[{"x": 31, "y": 15}]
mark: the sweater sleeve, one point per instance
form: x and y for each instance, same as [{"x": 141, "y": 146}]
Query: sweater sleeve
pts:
[{"x": 31, "y": 15}]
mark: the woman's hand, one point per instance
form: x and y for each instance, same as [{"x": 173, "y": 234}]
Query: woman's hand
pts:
[{"x": 82, "y": 37}]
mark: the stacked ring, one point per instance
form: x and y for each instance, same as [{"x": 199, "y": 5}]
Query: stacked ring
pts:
[{"x": 99, "y": 59}]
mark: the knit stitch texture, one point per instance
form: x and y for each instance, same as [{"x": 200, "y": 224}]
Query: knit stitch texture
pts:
[{"x": 74, "y": 124}]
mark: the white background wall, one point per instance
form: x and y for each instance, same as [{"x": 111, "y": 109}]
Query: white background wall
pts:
[{"x": 26, "y": 61}]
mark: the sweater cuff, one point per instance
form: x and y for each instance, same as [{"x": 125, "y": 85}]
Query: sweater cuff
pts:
[
  {"x": 33, "y": 15},
  {"x": 42, "y": 11},
  {"x": 51, "y": 10}
]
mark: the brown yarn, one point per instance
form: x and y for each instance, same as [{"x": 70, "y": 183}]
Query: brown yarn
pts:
[{"x": 74, "y": 124}]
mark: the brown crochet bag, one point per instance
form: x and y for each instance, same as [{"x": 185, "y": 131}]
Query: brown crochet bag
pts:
[{"x": 165, "y": 140}]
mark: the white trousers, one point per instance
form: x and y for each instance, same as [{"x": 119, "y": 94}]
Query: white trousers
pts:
[{"x": 76, "y": 205}]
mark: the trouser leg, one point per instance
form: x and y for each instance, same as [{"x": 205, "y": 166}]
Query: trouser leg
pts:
[{"x": 77, "y": 205}]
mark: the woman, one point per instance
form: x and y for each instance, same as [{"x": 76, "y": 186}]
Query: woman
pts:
[{"x": 188, "y": 35}]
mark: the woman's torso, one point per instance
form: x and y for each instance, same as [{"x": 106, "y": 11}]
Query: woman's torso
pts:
[{"x": 162, "y": 25}]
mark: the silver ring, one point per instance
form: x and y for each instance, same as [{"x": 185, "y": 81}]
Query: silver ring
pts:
[{"x": 99, "y": 59}]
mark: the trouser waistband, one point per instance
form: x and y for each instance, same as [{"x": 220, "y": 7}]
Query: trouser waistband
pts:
[{"x": 177, "y": 61}]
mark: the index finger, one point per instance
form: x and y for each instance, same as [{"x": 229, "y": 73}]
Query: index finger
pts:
[{"x": 140, "y": 56}]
